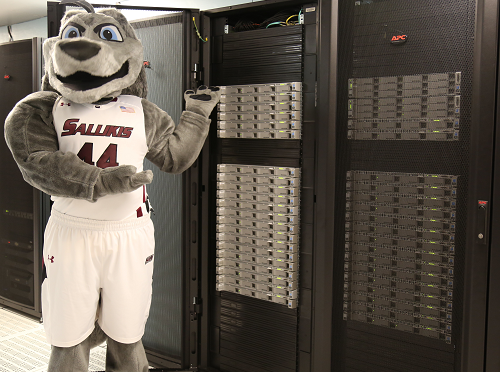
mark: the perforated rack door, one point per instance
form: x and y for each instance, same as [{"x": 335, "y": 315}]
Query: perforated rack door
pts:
[
  {"x": 412, "y": 107},
  {"x": 404, "y": 124},
  {"x": 20, "y": 236}
]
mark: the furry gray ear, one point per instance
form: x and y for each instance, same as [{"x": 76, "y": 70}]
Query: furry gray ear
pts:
[
  {"x": 69, "y": 14},
  {"x": 84, "y": 4},
  {"x": 140, "y": 87}
]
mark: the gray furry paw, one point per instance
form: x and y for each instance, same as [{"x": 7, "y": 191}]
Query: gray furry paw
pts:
[
  {"x": 203, "y": 100},
  {"x": 124, "y": 178}
]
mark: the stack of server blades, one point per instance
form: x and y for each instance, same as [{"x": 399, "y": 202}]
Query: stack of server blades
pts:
[
  {"x": 265, "y": 111},
  {"x": 412, "y": 107},
  {"x": 258, "y": 206},
  {"x": 400, "y": 251},
  {"x": 257, "y": 231}
]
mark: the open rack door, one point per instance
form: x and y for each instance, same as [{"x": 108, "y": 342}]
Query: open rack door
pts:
[{"x": 171, "y": 54}]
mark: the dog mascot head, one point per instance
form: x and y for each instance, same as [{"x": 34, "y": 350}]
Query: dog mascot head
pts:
[{"x": 95, "y": 56}]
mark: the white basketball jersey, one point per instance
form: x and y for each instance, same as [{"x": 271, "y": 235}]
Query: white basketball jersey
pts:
[{"x": 105, "y": 136}]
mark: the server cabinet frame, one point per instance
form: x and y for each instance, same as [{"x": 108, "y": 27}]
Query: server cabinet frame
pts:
[
  {"x": 479, "y": 339},
  {"x": 476, "y": 349},
  {"x": 492, "y": 339},
  {"x": 190, "y": 181},
  {"x": 324, "y": 262},
  {"x": 39, "y": 200},
  {"x": 315, "y": 329}
]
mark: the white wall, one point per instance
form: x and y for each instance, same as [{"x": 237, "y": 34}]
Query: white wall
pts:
[
  {"x": 196, "y": 4},
  {"x": 25, "y": 30},
  {"x": 38, "y": 27}
]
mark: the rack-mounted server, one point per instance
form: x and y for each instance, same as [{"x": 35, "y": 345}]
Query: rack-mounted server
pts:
[
  {"x": 258, "y": 207},
  {"x": 400, "y": 251},
  {"x": 411, "y": 107}
]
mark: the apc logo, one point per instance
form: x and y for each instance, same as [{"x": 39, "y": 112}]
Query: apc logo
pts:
[{"x": 399, "y": 39}]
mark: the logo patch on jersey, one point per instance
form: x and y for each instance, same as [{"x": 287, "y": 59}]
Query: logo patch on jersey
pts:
[
  {"x": 130, "y": 110},
  {"x": 149, "y": 259},
  {"x": 51, "y": 259},
  {"x": 71, "y": 128}
]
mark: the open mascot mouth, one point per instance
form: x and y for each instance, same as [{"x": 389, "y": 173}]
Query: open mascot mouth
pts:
[{"x": 84, "y": 81}]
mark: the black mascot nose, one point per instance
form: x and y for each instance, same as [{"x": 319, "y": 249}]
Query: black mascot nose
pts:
[{"x": 80, "y": 49}]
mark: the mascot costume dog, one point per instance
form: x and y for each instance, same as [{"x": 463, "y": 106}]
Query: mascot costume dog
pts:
[{"x": 82, "y": 140}]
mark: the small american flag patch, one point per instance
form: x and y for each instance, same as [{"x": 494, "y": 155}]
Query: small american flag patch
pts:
[
  {"x": 149, "y": 259},
  {"x": 127, "y": 109}
]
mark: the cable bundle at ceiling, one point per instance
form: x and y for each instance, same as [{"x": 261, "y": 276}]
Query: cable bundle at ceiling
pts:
[{"x": 286, "y": 17}]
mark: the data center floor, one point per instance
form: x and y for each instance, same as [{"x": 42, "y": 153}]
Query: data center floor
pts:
[{"x": 23, "y": 347}]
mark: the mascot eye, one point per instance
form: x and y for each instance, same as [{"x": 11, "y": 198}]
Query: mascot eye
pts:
[
  {"x": 71, "y": 32},
  {"x": 110, "y": 33}
]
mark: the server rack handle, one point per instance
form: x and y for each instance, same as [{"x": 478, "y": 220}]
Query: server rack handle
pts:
[{"x": 482, "y": 222}]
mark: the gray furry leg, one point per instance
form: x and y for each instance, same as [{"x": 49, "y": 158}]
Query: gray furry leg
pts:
[
  {"x": 97, "y": 337},
  {"x": 126, "y": 357},
  {"x": 74, "y": 358}
]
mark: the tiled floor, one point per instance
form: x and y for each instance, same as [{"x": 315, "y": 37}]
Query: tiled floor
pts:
[{"x": 23, "y": 347}]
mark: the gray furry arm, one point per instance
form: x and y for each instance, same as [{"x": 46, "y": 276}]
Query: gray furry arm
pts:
[
  {"x": 32, "y": 139},
  {"x": 173, "y": 149}
]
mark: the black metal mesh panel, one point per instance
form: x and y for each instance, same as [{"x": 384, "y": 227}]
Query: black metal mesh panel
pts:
[
  {"x": 163, "y": 48},
  {"x": 265, "y": 56},
  {"x": 17, "y": 249},
  {"x": 438, "y": 41}
]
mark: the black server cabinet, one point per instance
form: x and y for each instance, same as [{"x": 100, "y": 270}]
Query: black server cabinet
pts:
[
  {"x": 258, "y": 205},
  {"x": 21, "y": 205},
  {"x": 402, "y": 241},
  {"x": 413, "y": 189}
]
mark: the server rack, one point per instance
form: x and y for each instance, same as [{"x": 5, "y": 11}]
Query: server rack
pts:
[
  {"x": 22, "y": 206},
  {"x": 396, "y": 162},
  {"x": 413, "y": 298},
  {"x": 258, "y": 171}
]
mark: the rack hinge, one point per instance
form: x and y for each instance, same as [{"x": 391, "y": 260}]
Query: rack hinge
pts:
[
  {"x": 195, "y": 308},
  {"x": 197, "y": 72}
]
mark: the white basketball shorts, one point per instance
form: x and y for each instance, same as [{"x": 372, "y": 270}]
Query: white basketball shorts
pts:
[{"x": 86, "y": 259}]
